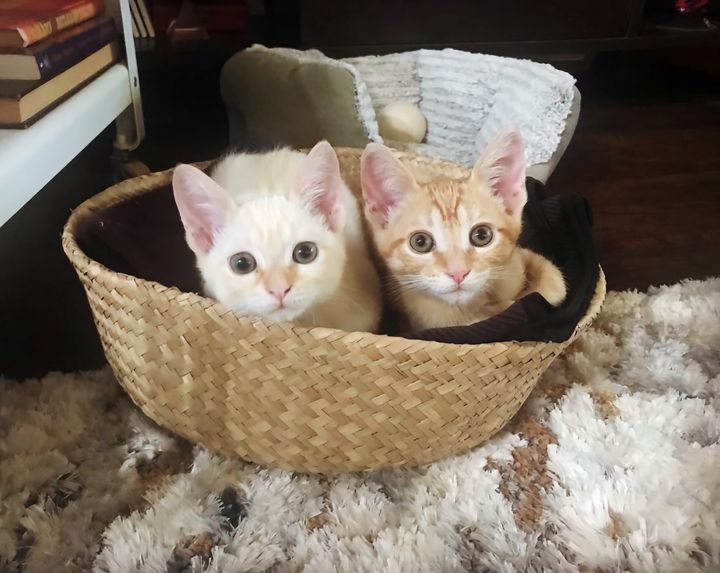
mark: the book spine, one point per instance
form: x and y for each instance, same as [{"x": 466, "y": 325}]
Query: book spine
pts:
[
  {"x": 136, "y": 32},
  {"x": 137, "y": 18},
  {"x": 35, "y": 31},
  {"x": 59, "y": 57},
  {"x": 146, "y": 18}
]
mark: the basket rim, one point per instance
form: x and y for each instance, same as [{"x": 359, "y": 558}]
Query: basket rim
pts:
[{"x": 136, "y": 186}]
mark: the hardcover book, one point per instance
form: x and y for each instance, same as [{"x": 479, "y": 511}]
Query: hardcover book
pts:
[
  {"x": 48, "y": 58},
  {"x": 25, "y": 22},
  {"x": 23, "y": 102}
]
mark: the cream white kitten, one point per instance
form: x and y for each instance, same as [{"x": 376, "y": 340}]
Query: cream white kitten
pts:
[{"x": 279, "y": 235}]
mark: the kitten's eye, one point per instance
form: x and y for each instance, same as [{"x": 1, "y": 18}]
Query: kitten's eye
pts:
[
  {"x": 243, "y": 263},
  {"x": 305, "y": 253},
  {"x": 481, "y": 235},
  {"x": 422, "y": 242}
]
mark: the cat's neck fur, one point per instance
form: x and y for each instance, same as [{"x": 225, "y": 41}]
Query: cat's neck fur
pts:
[{"x": 357, "y": 299}]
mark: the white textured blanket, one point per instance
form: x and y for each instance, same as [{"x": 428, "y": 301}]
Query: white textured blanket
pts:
[{"x": 467, "y": 98}]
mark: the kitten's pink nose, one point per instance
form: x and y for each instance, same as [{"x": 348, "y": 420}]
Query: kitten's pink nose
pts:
[
  {"x": 459, "y": 276},
  {"x": 279, "y": 292}
]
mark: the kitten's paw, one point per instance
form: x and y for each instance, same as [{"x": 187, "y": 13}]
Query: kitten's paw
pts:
[
  {"x": 545, "y": 278},
  {"x": 552, "y": 285}
]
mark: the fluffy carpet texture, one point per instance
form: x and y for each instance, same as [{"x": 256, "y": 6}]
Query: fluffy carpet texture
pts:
[{"x": 612, "y": 465}]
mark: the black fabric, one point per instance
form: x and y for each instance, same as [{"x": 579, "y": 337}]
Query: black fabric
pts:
[
  {"x": 144, "y": 237},
  {"x": 559, "y": 227}
]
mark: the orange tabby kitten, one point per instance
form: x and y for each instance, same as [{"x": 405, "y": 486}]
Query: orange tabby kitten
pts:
[{"x": 450, "y": 245}]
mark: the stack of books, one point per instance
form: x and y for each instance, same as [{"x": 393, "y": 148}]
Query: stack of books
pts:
[{"x": 49, "y": 49}]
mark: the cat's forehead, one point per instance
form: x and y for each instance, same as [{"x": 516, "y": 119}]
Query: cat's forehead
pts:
[
  {"x": 272, "y": 221},
  {"x": 267, "y": 209},
  {"x": 446, "y": 196},
  {"x": 451, "y": 200}
]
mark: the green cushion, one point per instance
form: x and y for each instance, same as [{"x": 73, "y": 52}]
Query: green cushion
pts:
[{"x": 295, "y": 103}]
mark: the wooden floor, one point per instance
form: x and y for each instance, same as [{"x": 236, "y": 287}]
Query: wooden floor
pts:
[{"x": 646, "y": 153}]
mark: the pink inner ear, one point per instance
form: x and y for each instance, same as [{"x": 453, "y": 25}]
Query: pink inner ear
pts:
[
  {"x": 385, "y": 182},
  {"x": 321, "y": 185},
  {"x": 204, "y": 206},
  {"x": 502, "y": 165}
]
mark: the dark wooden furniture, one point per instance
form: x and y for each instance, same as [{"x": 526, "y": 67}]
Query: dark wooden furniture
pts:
[{"x": 550, "y": 27}]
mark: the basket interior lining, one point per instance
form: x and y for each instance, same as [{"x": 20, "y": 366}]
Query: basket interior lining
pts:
[{"x": 142, "y": 236}]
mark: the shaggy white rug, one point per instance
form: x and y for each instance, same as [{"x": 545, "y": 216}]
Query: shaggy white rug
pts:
[{"x": 613, "y": 465}]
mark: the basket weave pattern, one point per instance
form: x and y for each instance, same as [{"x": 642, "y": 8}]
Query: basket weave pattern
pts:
[{"x": 316, "y": 400}]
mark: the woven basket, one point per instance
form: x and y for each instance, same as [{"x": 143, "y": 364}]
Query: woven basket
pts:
[{"x": 315, "y": 400}]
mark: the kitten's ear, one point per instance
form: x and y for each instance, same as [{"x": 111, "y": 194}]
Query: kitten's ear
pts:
[
  {"x": 502, "y": 167},
  {"x": 385, "y": 182},
  {"x": 321, "y": 185},
  {"x": 204, "y": 206}
]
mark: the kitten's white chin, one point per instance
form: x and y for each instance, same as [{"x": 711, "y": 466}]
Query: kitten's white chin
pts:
[
  {"x": 457, "y": 296},
  {"x": 283, "y": 314},
  {"x": 466, "y": 293}
]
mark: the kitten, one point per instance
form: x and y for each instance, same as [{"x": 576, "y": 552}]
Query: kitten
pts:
[
  {"x": 279, "y": 235},
  {"x": 450, "y": 245}
]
